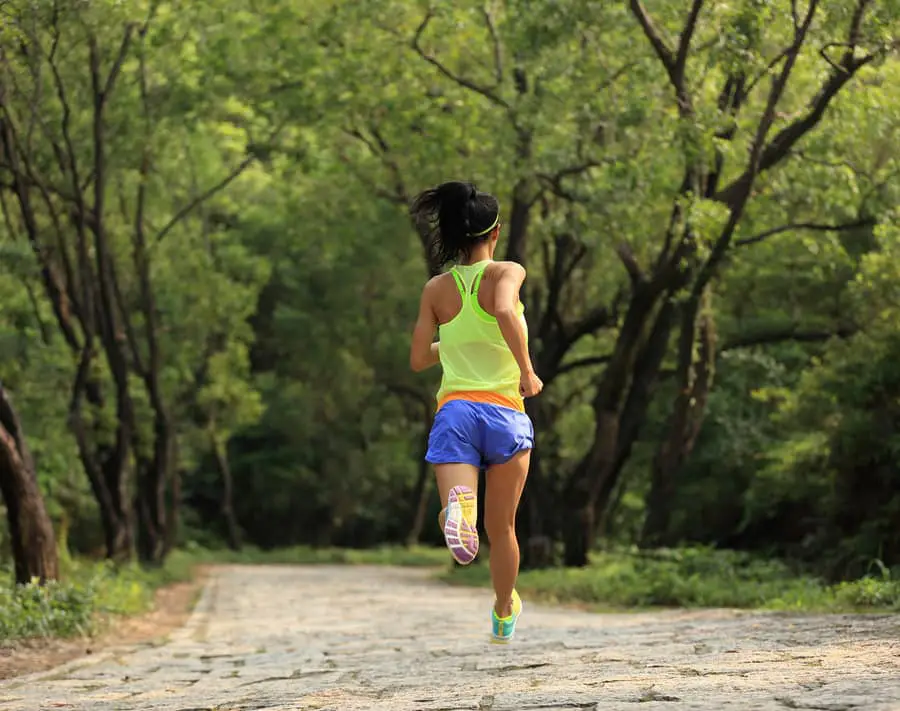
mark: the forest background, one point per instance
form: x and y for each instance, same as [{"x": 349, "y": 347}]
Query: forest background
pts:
[{"x": 208, "y": 278}]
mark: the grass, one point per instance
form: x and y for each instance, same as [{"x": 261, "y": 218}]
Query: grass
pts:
[
  {"x": 624, "y": 579},
  {"x": 88, "y": 594},
  {"x": 415, "y": 556},
  {"x": 91, "y": 592},
  {"x": 693, "y": 578}
]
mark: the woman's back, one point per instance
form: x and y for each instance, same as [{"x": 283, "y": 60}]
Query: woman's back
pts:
[{"x": 477, "y": 362}]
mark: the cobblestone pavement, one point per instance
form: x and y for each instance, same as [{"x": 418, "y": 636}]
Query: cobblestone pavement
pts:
[{"x": 354, "y": 638}]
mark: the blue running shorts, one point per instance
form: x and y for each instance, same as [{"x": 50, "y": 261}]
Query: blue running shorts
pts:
[{"x": 478, "y": 433}]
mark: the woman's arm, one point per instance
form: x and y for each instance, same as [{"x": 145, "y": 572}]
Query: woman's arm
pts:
[
  {"x": 423, "y": 351},
  {"x": 506, "y": 298}
]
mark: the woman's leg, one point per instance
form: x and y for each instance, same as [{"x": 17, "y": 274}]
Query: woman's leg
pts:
[
  {"x": 452, "y": 451},
  {"x": 458, "y": 486},
  {"x": 457, "y": 474},
  {"x": 504, "y": 486}
]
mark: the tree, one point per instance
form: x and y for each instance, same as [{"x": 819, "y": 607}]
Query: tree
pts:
[
  {"x": 826, "y": 490},
  {"x": 31, "y": 533},
  {"x": 92, "y": 200},
  {"x": 497, "y": 126},
  {"x": 567, "y": 139},
  {"x": 675, "y": 286},
  {"x": 206, "y": 246}
]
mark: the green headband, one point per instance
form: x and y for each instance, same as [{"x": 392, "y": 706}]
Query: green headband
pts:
[{"x": 489, "y": 229}]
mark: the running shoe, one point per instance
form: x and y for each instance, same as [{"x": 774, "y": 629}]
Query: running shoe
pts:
[
  {"x": 459, "y": 524},
  {"x": 505, "y": 627}
]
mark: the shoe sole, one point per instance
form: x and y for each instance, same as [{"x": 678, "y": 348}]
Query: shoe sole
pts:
[{"x": 459, "y": 535}]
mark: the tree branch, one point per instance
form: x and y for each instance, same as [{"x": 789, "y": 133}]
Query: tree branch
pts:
[
  {"x": 745, "y": 184},
  {"x": 663, "y": 51},
  {"x": 554, "y": 181},
  {"x": 495, "y": 41},
  {"x": 673, "y": 61},
  {"x": 626, "y": 255},
  {"x": 377, "y": 190},
  {"x": 117, "y": 64},
  {"x": 780, "y": 146},
  {"x": 813, "y": 226},
  {"x": 594, "y": 320},
  {"x": 486, "y": 92},
  {"x": 787, "y": 334},
  {"x": 684, "y": 43},
  {"x": 582, "y": 363},
  {"x": 379, "y": 147},
  {"x": 56, "y": 291},
  {"x": 203, "y": 197},
  {"x": 764, "y": 72},
  {"x": 853, "y": 36}
]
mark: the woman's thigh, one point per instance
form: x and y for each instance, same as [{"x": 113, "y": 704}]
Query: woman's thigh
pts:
[{"x": 503, "y": 490}]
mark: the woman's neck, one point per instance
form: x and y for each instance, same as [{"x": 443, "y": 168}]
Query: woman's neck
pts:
[{"x": 475, "y": 256}]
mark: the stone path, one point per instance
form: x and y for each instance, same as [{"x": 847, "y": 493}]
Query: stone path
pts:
[{"x": 348, "y": 639}]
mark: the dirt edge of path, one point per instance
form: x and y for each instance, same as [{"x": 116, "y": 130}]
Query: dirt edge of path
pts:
[{"x": 172, "y": 606}]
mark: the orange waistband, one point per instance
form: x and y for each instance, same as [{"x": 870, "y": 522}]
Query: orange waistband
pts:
[{"x": 487, "y": 397}]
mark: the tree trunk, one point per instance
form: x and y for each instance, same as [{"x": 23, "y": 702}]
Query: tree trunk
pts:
[
  {"x": 100, "y": 464},
  {"x": 150, "y": 509},
  {"x": 31, "y": 532},
  {"x": 173, "y": 510},
  {"x": 422, "y": 490},
  {"x": 536, "y": 524},
  {"x": 640, "y": 394},
  {"x": 233, "y": 531},
  {"x": 592, "y": 475},
  {"x": 153, "y": 473},
  {"x": 694, "y": 383},
  {"x": 577, "y": 534}
]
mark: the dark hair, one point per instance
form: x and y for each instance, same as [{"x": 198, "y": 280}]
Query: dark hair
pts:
[{"x": 453, "y": 218}]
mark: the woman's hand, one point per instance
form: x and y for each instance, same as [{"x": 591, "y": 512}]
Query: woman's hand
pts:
[{"x": 530, "y": 384}]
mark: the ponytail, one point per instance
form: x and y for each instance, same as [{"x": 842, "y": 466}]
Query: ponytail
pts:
[{"x": 453, "y": 217}]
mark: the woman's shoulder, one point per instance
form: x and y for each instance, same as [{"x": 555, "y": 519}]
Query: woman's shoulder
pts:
[
  {"x": 438, "y": 279},
  {"x": 438, "y": 285},
  {"x": 502, "y": 267}
]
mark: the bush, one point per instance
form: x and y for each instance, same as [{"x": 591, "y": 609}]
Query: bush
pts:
[
  {"x": 416, "y": 556},
  {"x": 54, "y": 610},
  {"x": 692, "y": 577},
  {"x": 91, "y": 592},
  {"x": 88, "y": 594}
]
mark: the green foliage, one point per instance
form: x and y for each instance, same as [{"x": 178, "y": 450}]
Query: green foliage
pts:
[
  {"x": 415, "y": 556},
  {"x": 88, "y": 595},
  {"x": 285, "y": 300},
  {"x": 693, "y": 577},
  {"x": 828, "y": 488}
]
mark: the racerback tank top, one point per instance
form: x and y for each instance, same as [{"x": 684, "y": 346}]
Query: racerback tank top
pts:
[{"x": 476, "y": 361}]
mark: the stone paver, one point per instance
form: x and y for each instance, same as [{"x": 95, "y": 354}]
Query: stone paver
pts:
[{"x": 350, "y": 639}]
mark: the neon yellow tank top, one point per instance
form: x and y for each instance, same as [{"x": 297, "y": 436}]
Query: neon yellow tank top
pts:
[{"x": 477, "y": 364}]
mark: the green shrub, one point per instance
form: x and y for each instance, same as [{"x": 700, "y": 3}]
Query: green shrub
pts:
[
  {"x": 88, "y": 593},
  {"x": 91, "y": 592},
  {"x": 416, "y": 556},
  {"x": 691, "y": 577},
  {"x": 56, "y": 609}
]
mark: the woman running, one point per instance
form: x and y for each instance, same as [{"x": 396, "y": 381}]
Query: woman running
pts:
[{"x": 483, "y": 351}]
